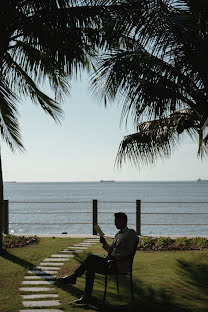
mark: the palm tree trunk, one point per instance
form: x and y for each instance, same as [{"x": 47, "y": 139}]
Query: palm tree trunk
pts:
[{"x": 1, "y": 204}]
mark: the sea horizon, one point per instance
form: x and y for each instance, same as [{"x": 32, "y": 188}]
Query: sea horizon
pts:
[{"x": 105, "y": 180}]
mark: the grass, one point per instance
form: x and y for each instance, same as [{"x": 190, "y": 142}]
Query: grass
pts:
[{"x": 174, "y": 281}]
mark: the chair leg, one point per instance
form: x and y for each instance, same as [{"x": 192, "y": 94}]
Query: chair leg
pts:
[
  {"x": 106, "y": 281},
  {"x": 131, "y": 286},
  {"x": 117, "y": 283}
]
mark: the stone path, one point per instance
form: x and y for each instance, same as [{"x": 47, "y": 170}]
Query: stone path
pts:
[{"x": 38, "y": 291}]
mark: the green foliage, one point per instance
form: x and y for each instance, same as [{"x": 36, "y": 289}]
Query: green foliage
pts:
[
  {"x": 10, "y": 241},
  {"x": 167, "y": 243},
  {"x": 163, "y": 242},
  {"x": 200, "y": 242},
  {"x": 146, "y": 242},
  {"x": 182, "y": 242}
]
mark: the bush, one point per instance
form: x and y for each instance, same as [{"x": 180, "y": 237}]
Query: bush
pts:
[
  {"x": 182, "y": 242},
  {"x": 146, "y": 242},
  {"x": 163, "y": 242},
  {"x": 11, "y": 241},
  {"x": 199, "y": 242}
]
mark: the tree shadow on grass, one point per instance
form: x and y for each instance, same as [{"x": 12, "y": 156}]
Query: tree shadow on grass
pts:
[
  {"x": 194, "y": 281},
  {"x": 188, "y": 292},
  {"x": 10, "y": 257},
  {"x": 146, "y": 298}
]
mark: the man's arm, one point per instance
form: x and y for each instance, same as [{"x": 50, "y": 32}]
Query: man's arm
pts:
[{"x": 106, "y": 246}]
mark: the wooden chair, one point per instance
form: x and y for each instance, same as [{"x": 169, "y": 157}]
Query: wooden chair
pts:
[{"x": 109, "y": 272}]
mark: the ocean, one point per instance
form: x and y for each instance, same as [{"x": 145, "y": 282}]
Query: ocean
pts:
[{"x": 167, "y": 208}]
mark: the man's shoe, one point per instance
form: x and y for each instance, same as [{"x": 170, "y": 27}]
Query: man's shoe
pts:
[
  {"x": 70, "y": 279},
  {"x": 83, "y": 300}
]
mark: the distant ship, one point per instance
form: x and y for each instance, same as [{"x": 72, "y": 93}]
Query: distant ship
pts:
[
  {"x": 107, "y": 181},
  {"x": 10, "y": 182},
  {"x": 200, "y": 180}
]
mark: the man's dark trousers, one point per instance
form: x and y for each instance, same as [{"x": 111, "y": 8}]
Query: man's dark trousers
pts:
[{"x": 93, "y": 264}]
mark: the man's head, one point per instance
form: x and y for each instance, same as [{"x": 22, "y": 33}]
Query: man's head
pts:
[{"x": 120, "y": 220}]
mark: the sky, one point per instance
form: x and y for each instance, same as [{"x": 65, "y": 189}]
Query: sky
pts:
[{"x": 84, "y": 146}]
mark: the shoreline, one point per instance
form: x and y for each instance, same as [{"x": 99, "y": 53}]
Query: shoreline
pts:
[{"x": 96, "y": 236}]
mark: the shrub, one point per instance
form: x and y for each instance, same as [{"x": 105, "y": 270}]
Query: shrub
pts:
[
  {"x": 163, "y": 242},
  {"x": 10, "y": 241},
  {"x": 146, "y": 242},
  {"x": 199, "y": 242},
  {"x": 182, "y": 242}
]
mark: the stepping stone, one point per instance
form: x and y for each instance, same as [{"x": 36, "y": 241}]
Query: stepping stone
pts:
[
  {"x": 40, "y": 296},
  {"x": 62, "y": 256},
  {"x": 45, "y": 303},
  {"x": 66, "y": 251},
  {"x": 36, "y": 289},
  {"x": 41, "y": 310},
  {"x": 51, "y": 263},
  {"x": 77, "y": 247},
  {"x": 41, "y": 272},
  {"x": 85, "y": 243},
  {"x": 47, "y": 277},
  {"x": 92, "y": 240},
  {"x": 38, "y": 282},
  {"x": 75, "y": 251},
  {"x": 46, "y": 268},
  {"x": 56, "y": 259}
]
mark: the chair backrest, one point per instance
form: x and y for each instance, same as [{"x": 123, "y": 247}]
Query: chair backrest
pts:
[
  {"x": 134, "y": 251},
  {"x": 130, "y": 260},
  {"x": 135, "y": 248}
]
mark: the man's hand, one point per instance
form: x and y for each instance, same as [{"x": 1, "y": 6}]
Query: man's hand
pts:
[{"x": 102, "y": 240}]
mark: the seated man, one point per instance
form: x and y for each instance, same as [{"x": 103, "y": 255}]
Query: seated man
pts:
[{"x": 122, "y": 248}]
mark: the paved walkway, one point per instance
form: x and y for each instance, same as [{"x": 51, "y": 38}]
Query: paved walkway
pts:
[{"x": 38, "y": 291}]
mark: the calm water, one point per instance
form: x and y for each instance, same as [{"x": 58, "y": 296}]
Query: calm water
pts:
[{"x": 51, "y": 213}]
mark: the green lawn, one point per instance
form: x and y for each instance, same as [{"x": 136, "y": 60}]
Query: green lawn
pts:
[{"x": 173, "y": 281}]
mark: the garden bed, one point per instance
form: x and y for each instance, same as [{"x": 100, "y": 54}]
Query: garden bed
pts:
[
  {"x": 167, "y": 243},
  {"x": 12, "y": 241}
]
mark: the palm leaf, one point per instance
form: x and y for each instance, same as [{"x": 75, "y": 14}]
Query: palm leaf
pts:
[
  {"x": 157, "y": 139},
  {"x": 29, "y": 88},
  {"x": 8, "y": 118},
  {"x": 146, "y": 85}
]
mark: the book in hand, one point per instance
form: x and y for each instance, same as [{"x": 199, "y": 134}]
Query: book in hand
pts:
[{"x": 98, "y": 230}]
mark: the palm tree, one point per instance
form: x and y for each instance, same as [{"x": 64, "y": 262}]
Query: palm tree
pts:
[
  {"x": 44, "y": 40},
  {"x": 160, "y": 77}
]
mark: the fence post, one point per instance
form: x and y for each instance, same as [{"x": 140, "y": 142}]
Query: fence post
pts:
[
  {"x": 94, "y": 215},
  {"x": 138, "y": 217},
  {"x": 1, "y": 223},
  {"x": 6, "y": 217}
]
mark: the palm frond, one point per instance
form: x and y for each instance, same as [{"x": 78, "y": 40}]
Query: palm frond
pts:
[
  {"x": 38, "y": 65},
  {"x": 146, "y": 85},
  {"x": 157, "y": 139},
  {"x": 8, "y": 118},
  {"x": 28, "y": 88}
]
